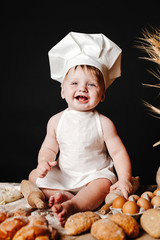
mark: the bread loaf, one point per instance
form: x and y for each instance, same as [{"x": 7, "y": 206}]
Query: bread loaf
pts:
[
  {"x": 38, "y": 220},
  {"x": 106, "y": 229},
  {"x": 31, "y": 232},
  {"x": 11, "y": 225},
  {"x": 4, "y": 215},
  {"x": 22, "y": 212},
  {"x": 25, "y": 228},
  {"x": 42, "y": 238},
  {"x": 127, "y": 223},
  {"x": 150, "y": 222},
  {"x": 80, "y": 222}
]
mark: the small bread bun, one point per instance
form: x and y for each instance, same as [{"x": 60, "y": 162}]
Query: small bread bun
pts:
[
  {"x": 22, "y": 212},
  {"x": 80, "y": 222},
  {"x": 38, "y": 220},
  {"x": 127, "y": 223},
  {"x": 150, "y": 222},
  {"x": 31, "y": 232},
  {"x": 4, "y": 215},
  {"x": 106, "y": 229},
  {"x": 42, "y": 238}
]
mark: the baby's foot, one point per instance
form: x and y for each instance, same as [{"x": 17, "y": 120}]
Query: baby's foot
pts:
[
  {"x": 63, "y": 210},
  {"x": 59, "y": 197}
]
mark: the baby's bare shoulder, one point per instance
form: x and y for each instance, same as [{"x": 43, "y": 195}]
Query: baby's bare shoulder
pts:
[
  {"x": 105, "y": 121},
  {"x": 54, "y": 120},
  {"x": 108, "y": 126}
]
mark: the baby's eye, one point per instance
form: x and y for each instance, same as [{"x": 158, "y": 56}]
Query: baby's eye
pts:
[
  {"x": 74, "y": 83},
  {"x": 91, "y": 85}
]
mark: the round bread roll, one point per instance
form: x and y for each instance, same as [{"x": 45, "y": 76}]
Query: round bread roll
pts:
[
  {"x": 150, "y": 222},
  {"x": 106, "y": 229},
  {"x": 38, "y": 220},
  {"x": 11, "y": 225},
  {"x": 127, "y": 223},
  {"x": 22, "y": 212},
  {"x": 42, "y": 238},
  {"x": 31, "y": 232},
  {"x": 80, "y": 222},
  {"x": 4, "y": 215}
]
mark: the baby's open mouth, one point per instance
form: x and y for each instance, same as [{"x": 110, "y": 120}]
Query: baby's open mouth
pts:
[{"x": 82, "y": 98}]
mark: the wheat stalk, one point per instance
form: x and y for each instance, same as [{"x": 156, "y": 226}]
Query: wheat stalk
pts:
[{"x": 150, "y": 43}]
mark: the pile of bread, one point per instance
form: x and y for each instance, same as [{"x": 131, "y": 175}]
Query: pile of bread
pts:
[
  {"x": 121, "y": 221},
  {"x": 115, "y": 227},
  {"x": 20, "y": 226},
  {"x": 118, "y": 226}
]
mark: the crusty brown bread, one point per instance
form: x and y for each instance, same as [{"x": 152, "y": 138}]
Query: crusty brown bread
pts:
[
  {"x": 11, "y": 225},
  {"x": 4, "y": 215},
  {"x": 38, "y": 220},
  {"x": 22, "y": 212},
  {"x": 42, "y": 238},
  {"x": 127, "y": 223},
  {"x": 25, "y": 228},
  {"x": 80, "y": 222},
  {"x": 31, "y": 232},
  {"x": 37, "y": 228},
  {"x": 150, "y": 222},
  {"x": 106, "y": 229}
]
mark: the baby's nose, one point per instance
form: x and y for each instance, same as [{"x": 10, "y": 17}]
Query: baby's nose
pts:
[{"x": 83, "y": 88}]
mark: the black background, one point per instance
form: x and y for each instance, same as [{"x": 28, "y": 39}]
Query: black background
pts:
[{"x": 29, "y": 97}]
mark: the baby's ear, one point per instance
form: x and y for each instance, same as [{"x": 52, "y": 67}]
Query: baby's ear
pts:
[{"x": 103, "y": 97}]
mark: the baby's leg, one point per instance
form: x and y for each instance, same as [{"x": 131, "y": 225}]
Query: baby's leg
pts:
[
  {"x": 54, "y": 195},
  {"x": 87, "y": 199}
]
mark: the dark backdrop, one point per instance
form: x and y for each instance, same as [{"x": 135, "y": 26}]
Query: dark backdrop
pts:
[{"x": 29, "y": 97}]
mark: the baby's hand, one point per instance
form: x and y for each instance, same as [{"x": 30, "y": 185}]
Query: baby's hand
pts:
[
  {"x": 124, "y": 185},
  {"x": 43, "y": 168}
]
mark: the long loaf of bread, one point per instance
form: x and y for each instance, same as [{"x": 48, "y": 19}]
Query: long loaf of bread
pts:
[{"x": 80, "y": 222}]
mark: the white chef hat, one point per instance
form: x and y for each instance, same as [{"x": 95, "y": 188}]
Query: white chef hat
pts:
[{"x": 85, "y": 49}]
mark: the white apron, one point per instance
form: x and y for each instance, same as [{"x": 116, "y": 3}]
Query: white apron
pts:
[{"x": 83, "y": 155}]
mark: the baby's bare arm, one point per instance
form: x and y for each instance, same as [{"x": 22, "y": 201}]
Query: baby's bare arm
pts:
[
  {"x": 119, "y": 155},
  {"x": 49, "y": 149}
]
